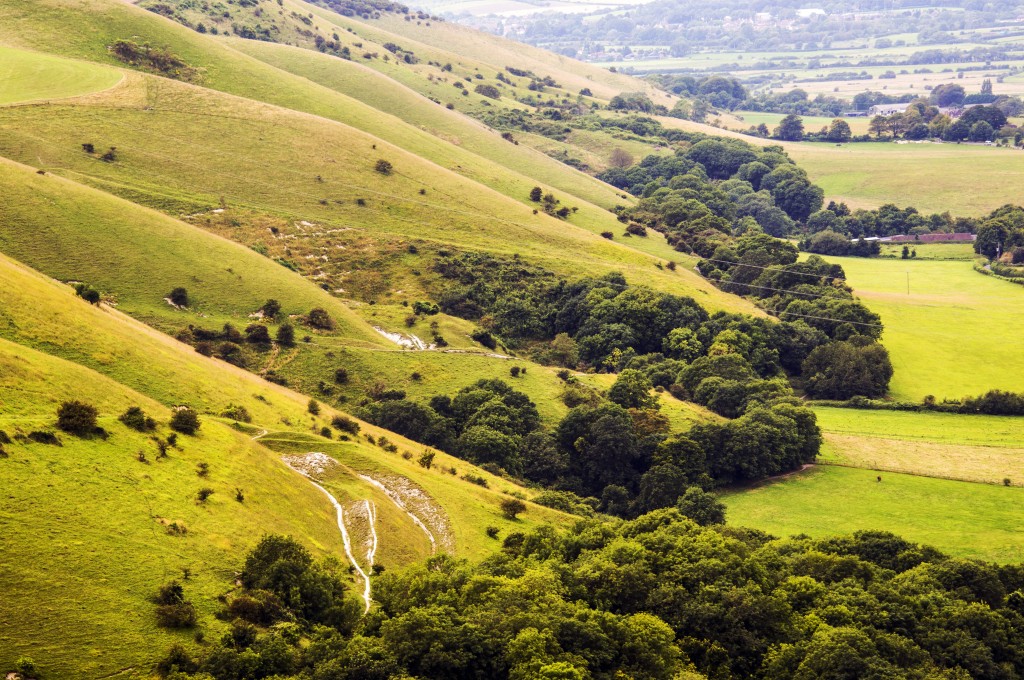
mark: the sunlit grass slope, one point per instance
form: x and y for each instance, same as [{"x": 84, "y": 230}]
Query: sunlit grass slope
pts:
[
  {"x": 137, "y": 255},
  {"x": 85, "y": 525},
  {"x": 26, "y": 76},
  {"x": 961, "y": 518},
  {"x": 181, "y": 148},
  {"x": 954, "y": 335}
]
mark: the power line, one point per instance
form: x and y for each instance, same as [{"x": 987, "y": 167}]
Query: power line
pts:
[{"x": 825, "y": 318}]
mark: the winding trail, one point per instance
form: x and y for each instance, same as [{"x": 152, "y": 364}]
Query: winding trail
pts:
[
  {"x": 346, "y": 539},
  {"x": 396, "y": 498}
]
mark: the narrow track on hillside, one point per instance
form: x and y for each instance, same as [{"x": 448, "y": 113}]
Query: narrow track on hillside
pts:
[{"x": 295, "y": 463}]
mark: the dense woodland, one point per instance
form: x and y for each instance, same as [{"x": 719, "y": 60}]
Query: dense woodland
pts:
[{"x": 656, "y": 597}]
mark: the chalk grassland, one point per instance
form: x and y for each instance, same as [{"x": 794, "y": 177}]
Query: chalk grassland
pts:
[
  {"x": 91, "y": 518},
  {"x": 953, "y": 335},
  {"x": 960, "y": 518},
  {"x": 987, "y": 449},
  {"x": 85, "y": 525},
  {"x": 26, "y": 77},
  {"x": 188, "y": 148}
]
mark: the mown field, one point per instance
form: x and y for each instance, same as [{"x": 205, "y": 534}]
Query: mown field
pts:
[
  {"x": 858, "y": 125},
  {"x": 960, "y": 518},
  {"x": 987, "y": 449},
  {"x": 30, "y": 76}
]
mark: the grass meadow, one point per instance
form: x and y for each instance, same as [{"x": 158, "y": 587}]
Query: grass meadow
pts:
[{"x": 31, "y": 76}]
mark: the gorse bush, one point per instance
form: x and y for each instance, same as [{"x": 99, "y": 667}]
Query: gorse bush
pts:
[{"x": 137, "y": 419}]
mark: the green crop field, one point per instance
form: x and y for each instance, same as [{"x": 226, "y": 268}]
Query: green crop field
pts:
[
  {"x": 924, "y": 328},
  {"x": 30, "y": 76},
  {"x": 961, "y": 518},
  {"x": 931, "y": 251}
]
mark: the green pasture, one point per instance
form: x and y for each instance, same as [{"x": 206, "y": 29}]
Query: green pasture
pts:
[
  {"x": 858, "y": 125},
  {"x": 953, "y": 335},
  {"x": 960, "y": 518},
  {"x": 931, "y": 251},
  {"x": 964, "y": 179}
]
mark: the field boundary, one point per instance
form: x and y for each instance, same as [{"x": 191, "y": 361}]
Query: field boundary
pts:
[{"x": 896, "y": 471}]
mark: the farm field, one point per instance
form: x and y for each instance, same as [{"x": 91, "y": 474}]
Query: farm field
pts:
[
  {"x": 976, "y": 448},
  {"x": 924, "y": 329},
  {"x": 964, "y": 179},
  {"x": 960, "y": 518},
  {"x": 858, "y": 125},
  {"x": 931, "y": 251}
]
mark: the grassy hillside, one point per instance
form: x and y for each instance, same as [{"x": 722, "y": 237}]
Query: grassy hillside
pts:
[
  {"x": 960, "y": 518},
  {"x": 924, "y": 330},
  {"x": 26, "y": 77},
  {"x": 90, "y": 517},
  {"x": 86, "y": 525}
]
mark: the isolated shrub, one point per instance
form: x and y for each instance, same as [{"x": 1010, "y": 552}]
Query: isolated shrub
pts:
[
  {"x": 231, "y": 353},
  {"x": 313, "y": 407},
  {"x": 608, "y": 235},
  {"x": 426, "y": 308},
  {"x": 88, "y": 147},
  {"x": 326, "y": 433},
  {"x": 383, "y": 167},
  {"x": 185, "y": 420},
  {"x": 512, "y": 507},
  {"x": 271, "y": 308},
  {"x": 514, "y": 371},
  {"x": 76, "y": 417},
  {"x": 203, "y": 469},
  {"x": 203, "y": 494},
  {"x": 492, "y": 532},
  {"x": 4, "y": 437},
  {"x": 173, "y": 610},
  {"x": 535, "y": 194},
  {"x": 179, "y": 296},
  {"x": 345, "y": 424},
  {"x": 285, "y": 335},
  {"x": 489, "y": 91},
  {"x": 341, "y": 376},
  {"x": 110, "y": 155},
  {"x": 319, "y": 318},
  {"x": 137, "y": 419},
  {"x": 257, "y": 334},
  {"x": 426, "y": 459},
  {"x": 238, "y": 413},
  {"x": 43, "y": 437},
  {"x": 87, "y": 293},
  {"x": 476, "y": 479}
]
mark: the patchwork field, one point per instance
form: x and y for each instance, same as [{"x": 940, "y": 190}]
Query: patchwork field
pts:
[{"x": 858, "y": 125}]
